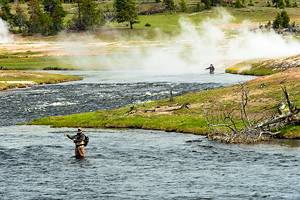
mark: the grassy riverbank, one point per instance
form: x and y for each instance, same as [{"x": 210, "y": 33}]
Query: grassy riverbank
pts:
[
  {"x": 265, "y": 94},
  {"x": 264, "y": 67},
  {"x": 10, "y": 79}
]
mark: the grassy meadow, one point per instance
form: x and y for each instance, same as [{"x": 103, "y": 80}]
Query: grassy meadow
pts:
[{"x": 32, "y": 61}]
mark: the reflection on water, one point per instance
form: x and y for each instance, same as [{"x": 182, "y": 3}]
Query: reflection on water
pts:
[{"x": 37, "y": 163}]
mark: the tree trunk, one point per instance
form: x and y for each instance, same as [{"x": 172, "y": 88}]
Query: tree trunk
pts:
[
  {"x": 79, "y": 11},
  {"x": 131, "y": 23}
]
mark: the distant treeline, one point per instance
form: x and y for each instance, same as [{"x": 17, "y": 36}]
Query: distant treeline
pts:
[
  {"x": 24, "y": 1},
  {"x": 48, "y": 17}
]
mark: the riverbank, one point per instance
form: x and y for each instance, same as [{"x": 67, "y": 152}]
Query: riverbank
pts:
[
  {"x": 188, "y": 113},
  {"x": 10, "y": 79},
  {"x": 265, "y": 67}
]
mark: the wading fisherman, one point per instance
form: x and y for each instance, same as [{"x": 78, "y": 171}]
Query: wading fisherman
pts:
[
  {"x": 80, "y": 141},
  {"x": 211, "y": 69}
]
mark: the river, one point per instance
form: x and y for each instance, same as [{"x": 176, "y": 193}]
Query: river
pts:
[{"x": 37, "y": 161}]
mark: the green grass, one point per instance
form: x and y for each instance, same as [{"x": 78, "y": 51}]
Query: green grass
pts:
[
  {"x": 264, "y": 66},
  {"x": 17, "y": 79},
  {"x": 251, "y": 67},
  {"x": 264, "y": 96},
  {"x": 169, "y": 22},
  {"x": 291, "y": 132},
  {"x": 33, "y": 61}
]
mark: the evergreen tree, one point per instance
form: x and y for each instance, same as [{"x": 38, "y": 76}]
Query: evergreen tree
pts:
[
  {"x": 207, "y": 4},
  {"x": 238, "y": 4},
  {"x": 285, "y": 19},
  {"x": 277, "y": 22},
  {"x": 20, "y": 18},
  {"x": 126, "y": 11},
  {"x": 5, "y": 13},
  {"x": 278, "y": 3},
  {"x": 287, "y": 3},
  {"x": 281, "y": 4},
  {"x": 282, "y": 20},
  {"x": 198, "y": 7},
  {"x": 88, "y": 16},
  {"x": 183, "y": 6},
  {"x": 170, "y": 5},
  {"x": 55, "y": 11},
  {"x": 38, "y": 21}
]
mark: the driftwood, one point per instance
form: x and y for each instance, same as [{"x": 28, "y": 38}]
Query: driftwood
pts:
[
  {"x": 169, "y": 108},
  {"x": 284, "y": 118},
  {"x": 253, "y": 131}
]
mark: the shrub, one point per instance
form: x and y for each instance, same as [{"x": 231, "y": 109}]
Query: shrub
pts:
[{"x": 238, "y": 4}]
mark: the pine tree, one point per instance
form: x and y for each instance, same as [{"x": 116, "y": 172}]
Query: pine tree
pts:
[
  {"x": 207, "y": 3},
  {"x": 277, "y": 22},
  {"x": 183, "y": 6},
  {"x": 198, "y": 7},
  {"x": 126, "y": 11},
  {"x": 55, "y": 11},
  {"x": 39, "y": 22},
  {"x": 5, "y": 13},
  {"x": 170, "y": 5},
  {"x": 88, "y": 16},
  {"x": 90, "y": 13},
  {"x": 278, "y": 3},
  {"x": 285, "y": 19},
  {"x": 20, "y": 18},
  {"x": 238, "y": 4},
  {"x": 282, "y": 20},
  {"x": 287, "y": 3}
]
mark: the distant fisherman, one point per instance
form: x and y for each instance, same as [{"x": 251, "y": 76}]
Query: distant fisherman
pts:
[
  {"x": 80, "y": 141},
  {"x": 211, "y": 69}
]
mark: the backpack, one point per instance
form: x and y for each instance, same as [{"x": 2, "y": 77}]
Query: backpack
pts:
[{"x": 86, "y": 140}]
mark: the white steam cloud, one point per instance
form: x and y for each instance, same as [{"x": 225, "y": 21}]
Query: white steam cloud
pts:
[
  {"x": 191, "y": 51},
  {"x": 5, "y": 36}
]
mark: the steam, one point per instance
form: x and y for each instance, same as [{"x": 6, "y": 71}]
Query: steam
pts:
[
  {"x": 191, "y": 51},
  {"x": 5, "y": 36}
]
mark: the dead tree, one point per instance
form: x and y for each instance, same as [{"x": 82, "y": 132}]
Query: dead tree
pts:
[
  {"x": 254, "y": 130},
  {"x": 284, "y": 118}
]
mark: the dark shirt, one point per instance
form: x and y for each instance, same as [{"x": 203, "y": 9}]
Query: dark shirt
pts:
[
  {"x": 77, "y": 138},
  {"x": 211, "y": 69}
]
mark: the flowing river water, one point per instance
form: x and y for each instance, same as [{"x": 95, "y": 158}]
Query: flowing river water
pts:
[{"x": 36, "y": 162}]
